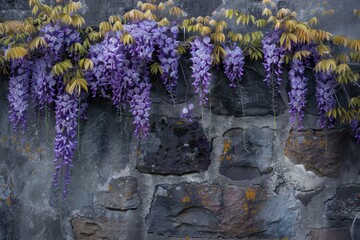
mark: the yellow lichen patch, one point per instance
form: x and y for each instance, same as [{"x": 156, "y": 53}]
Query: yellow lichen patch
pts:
[
  {"x": 110, "y": 187},
  {"x": 228, "y": 157},
  {"x": 8, "y": 201},
  {"x": 27, "y": 148},
  {"x": 227, "y": 145},
  {"x": 250, "y": 194},
  {"x": 185, "y": 199},
  {"x": 246, "y": 208}
]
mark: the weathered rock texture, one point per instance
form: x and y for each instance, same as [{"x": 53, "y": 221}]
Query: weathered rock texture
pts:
[
  {"x": 322, "y": 152},
  {"x": 230, "y": 174},
  {"x": 171, "y": 137},
  {"x": 120, "y": 195}
]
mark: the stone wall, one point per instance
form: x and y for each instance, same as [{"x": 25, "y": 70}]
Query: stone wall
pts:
[{"x": 229, "y": 174}]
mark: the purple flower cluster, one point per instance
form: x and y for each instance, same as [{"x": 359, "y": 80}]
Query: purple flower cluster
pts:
[
  {"x": 66, "y": 116},
  {"x": 59, "y": 39},
  {"x": 325, "y": 96},
  {"x": 234, "y": 65},
  {"x": 201, "y": 50},
  {"x": 43, "y": 84},
  {"x": 168, "y": 57},
  {"x": 297, "y": 94},
  {"x": 140, "y": 105},
  {"x": 121, "y": 71},
  {"x": 356, "y": 129},
  {"x": 273, "y": 59},
  {"x": 187, "y": 112},
  {"x": 19, "y": 93}
]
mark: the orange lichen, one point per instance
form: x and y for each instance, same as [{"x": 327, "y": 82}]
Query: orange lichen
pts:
[
  {"x": 27, "y": 148},
  {"x": 227, "y": 145},
  {"x": 185, "y": 199},
  {"x": 250, "y": 194},
  {"x": 8, "y": 201},
  {"x": 246, "y": 208}
]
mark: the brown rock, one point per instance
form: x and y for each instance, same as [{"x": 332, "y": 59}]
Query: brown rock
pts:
[
  {"x": 91, "y": 229},
  {"x": 121, "y": 194},
  {"x": 203, "y": 210},
  {"x": 329, "y": 234},
  {"x": 322, "y": 152}
]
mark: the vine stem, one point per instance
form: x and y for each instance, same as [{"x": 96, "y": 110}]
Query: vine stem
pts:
[
  {"x": 183, "y": 73},
  {"x": 273, "y": 102},
  {"x": 78, "y": 129},
  {"x": 243, "y": 115},
  {"x": 46, "y": 125}
]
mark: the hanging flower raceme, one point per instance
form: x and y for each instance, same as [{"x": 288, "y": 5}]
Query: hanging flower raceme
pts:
[
  {"x": 43, "y": 84},
  {"x": 66, "y": 117},
  {"x": 297, "y": 94},
  {"x": 273, "y": 59},
  {"x": 59, "y": 40},
  {"x": 187, "y": 112},
  {"x": 356, "y": 129},
  {"x": 121, "y": 69},
  {"x": 325, "y": 96},
  {"x": 19, "y": 93},
  {"x": 234, "y": 65},
  {"x": 201, "y": 49},
  {"x": 168, "y": 57}
]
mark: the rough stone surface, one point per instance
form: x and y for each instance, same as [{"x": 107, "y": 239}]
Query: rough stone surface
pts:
[
  {"x": 91, "y": 229},
  {"x": 247, "y": 153},
  {"x": 169, "y": 138},
  {"x": 321, "y": 152},
  {"x": 345, "y": 204},
  {"x": 306, "y": 197},
  {"x": 252, "y": 99},
  {"x": 204, "y": 210},
  {"x": 330, "y": 234},
  {"x": 120, "y": 195}
]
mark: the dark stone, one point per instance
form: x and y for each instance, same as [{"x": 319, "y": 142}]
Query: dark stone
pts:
[
  {"x": 204, "y": 210},
  {"x": 180, "y": 147},
  {"x": 253, "y": 98},
  {"x": 345, "y": 204},
  {"x": 306, "y": 197},
  {"x": 96, "y": 228},
  {"x": 322, "y": 152},
  {"x": 247, "y": 154},
  {"x": 184, "y": 89},
  {"x": 329, "y": 234},
  {"x": 195, "y": 8},
  {"x": 121, "y": 194},
  {"x": 9, "y": 222}
]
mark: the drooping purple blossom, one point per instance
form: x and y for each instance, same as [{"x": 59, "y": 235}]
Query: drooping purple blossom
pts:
[
  {"x": 234, "y": 65},
  {"x": 168, "y": 57},
  {"x": 355, "y": 125},
  {"x": 19, "y": 93},
  {"x": 66, "y": 117},
  {"x": 59, "y": 40},
  {"x": 297, "y": 94},
  {"x": 325, "y": 96},
  {"x": 43, "y": 84},
  {"x": 273, "y": 59},
  {"x": 201, "y": 49},
  {"x": 121, "y": 71},
  {"x": 187, "y": 112}
]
